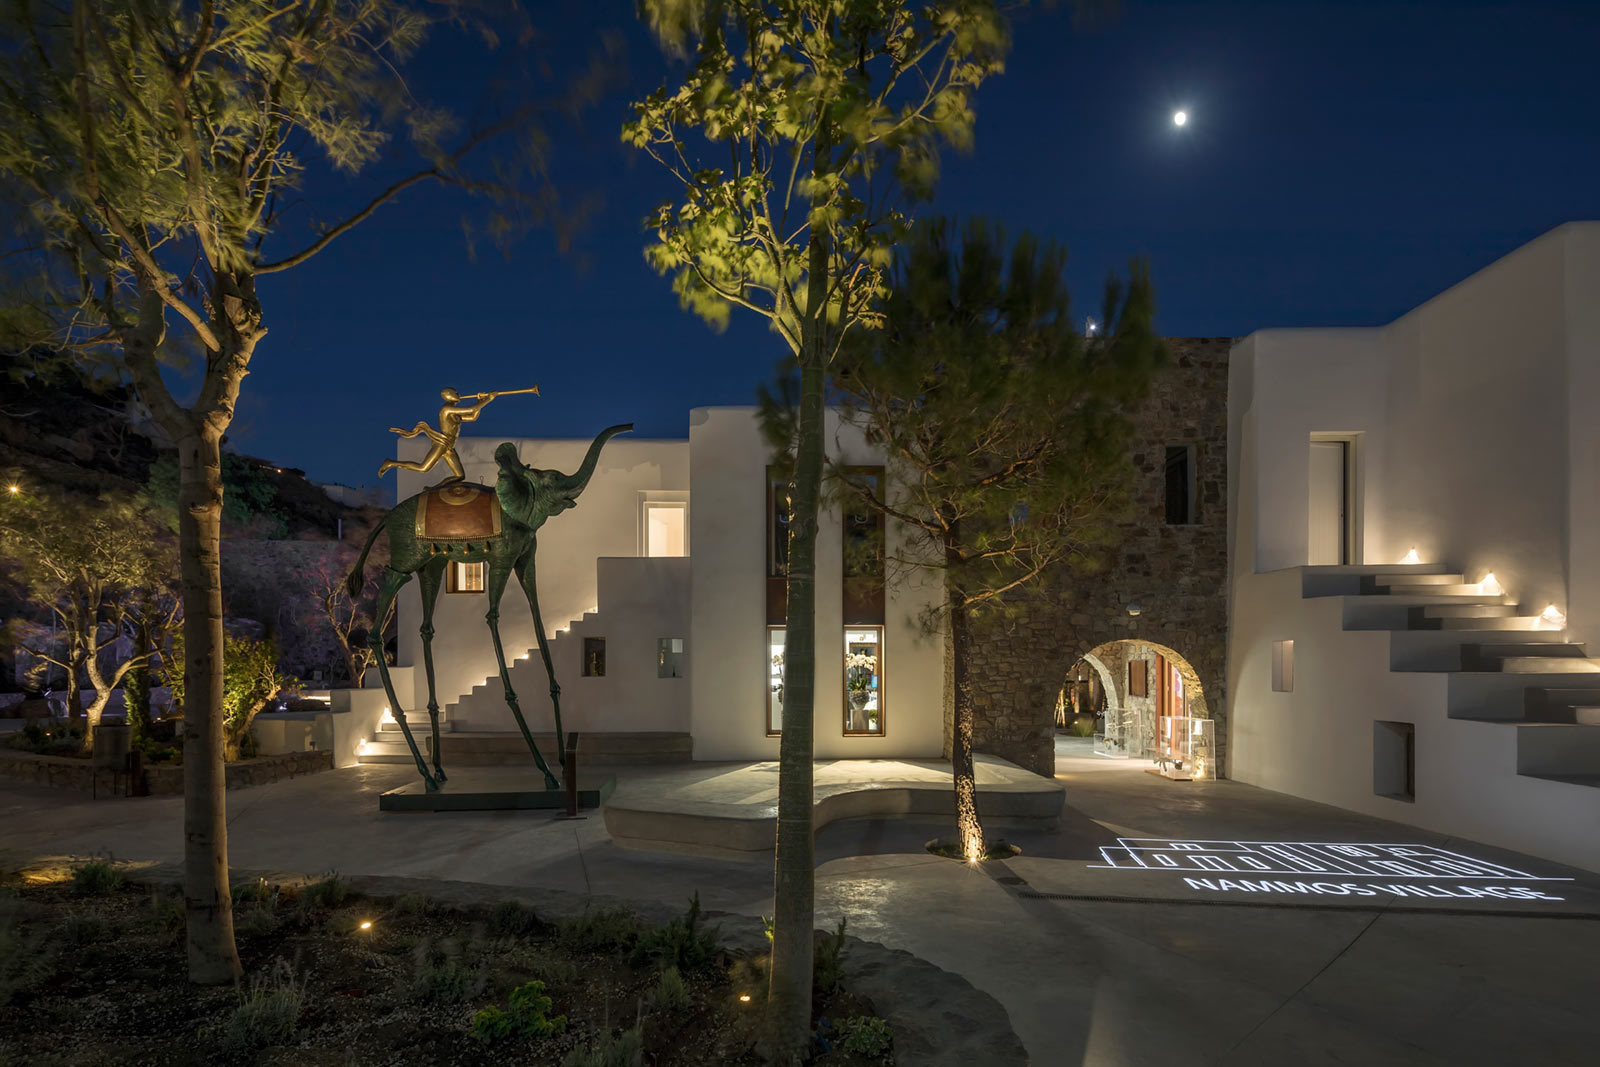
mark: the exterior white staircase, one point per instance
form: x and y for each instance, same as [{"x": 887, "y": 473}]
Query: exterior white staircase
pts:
[
  {"x": 1502, "y": 667},
  {"x": 388, "y": 745},
  {"x": 528, "y": 678}
]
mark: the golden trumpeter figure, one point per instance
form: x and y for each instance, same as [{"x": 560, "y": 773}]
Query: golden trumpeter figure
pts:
[{"x": 444, "y": 438}]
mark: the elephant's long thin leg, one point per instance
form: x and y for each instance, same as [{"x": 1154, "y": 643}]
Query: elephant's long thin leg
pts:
[
  {"x": 393, "y": 582},
  {"x": 498, "y": 574},
  {"x": 527, "y": 575},
  {"x": 429, "y": 578}
]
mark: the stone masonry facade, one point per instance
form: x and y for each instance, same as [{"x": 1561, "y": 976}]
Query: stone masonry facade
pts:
[{"x": 1177, "y": 575}]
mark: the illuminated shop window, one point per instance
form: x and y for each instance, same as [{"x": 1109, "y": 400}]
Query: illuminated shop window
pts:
[
  {"x": 775, "y": 645},
  {"x": 863, "y": 680},
  {"x": 467, "y": 577}
]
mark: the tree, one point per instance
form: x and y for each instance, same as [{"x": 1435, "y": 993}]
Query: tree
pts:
[
  {"x": 251, "y": 679},
  {"x": 152, "y": 148},
  {"x": 98, "y": 567},
  {"x": 799, "y": 133},
  {"x": 342, "y": 613},
  {"x": 1006, "y": 432}
]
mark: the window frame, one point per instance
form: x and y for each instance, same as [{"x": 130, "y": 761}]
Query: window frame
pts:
[
  {"x": 881, "y": 674},
  {"x": 453, "y": 573},
  {"x": 770, "y": 730},
  {"x": 592, "y": 644},
  {"x": 1191, "y": 498}
]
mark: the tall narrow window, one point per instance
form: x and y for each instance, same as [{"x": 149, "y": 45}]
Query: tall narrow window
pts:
[
  {"x": 1180, "y": 485},
  {"x": 669, "y": 657},
  {"x": 863, "y": 569},
  {"x": 594, "y": 657},
  {"x": 665, "y": 529},
  {"x": 775, "y": 644},
  {"x": 1394, "y": 760},
  {"x": 1283, "y": 666},
  {"x": 1136, "y": 678},
  {"x": 466, "y": 577},
  {"x": 777, "y": 525},
  {"x": 863, "y": 681}
]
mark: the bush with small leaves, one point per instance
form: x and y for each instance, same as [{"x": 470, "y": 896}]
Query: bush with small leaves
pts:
[
  {"x": 254, "y": 921},
  {"x": 611, "y": 1050},
  {"x": 447, "y": 971},
  {"x": 417, "y": 904},
  {"x": 604, "y": 931},
  {"x": 256, "y": 892},
  {"x": 328, "y": 893},
  {"x": 1082, "y": 728},
  {"x": 866, "y": 1035},
  {"x": 85, "y": 929},
  {"x": 681, "y": 943},
  {"x": 167, "y": 909},
  {"x": 670, "y": 994},
  {"x": 826, "y": 970},
  {"x": 528, "y": 1016},
  {"x": 268, "y": 1012},
  {"x": 97, "y": 877},
  {"x": 514, "y": 918}
]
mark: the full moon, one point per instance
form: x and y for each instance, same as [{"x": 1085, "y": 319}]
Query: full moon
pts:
[{"x": 1180, "y": 118}]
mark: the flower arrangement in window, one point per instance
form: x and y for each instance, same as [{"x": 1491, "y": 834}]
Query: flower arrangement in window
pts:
[{"x": 859, "y": 667}]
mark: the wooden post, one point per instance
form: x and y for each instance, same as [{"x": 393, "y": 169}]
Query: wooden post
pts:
[{"x": 569, "y": 772}]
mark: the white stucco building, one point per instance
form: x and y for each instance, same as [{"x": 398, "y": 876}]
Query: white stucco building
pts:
[
  {"x": 1455, "y": 694},
  {"x": 657, "y": 595}
]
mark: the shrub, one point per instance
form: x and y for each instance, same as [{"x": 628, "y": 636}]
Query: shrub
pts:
[
  {"x": 168, "y": 911},
  {"x": 85, "y": 929},
  {"x": 513, "y": 917},
  {"x": 605, "y": 931},
  {"x": 447, "y": 972},
  {"x": 97, "y": 877},
  {"x": 826, "y": 969},
  {"x": 866, "y": 1035},
  {"x": 254, "y": 921},
  {"x": 671, "y": 994},
  {"x": 1082, "y": 727},
  {"x": 681, "y": 943},
  {"x": 621, "y": 1050},
  {"x": 268, "y": 1012},
  {"x": 529, "y": 1016},
  {"x": 25, "y": 952},
  {"x": 256, "y": 892},
  {"x": 417, "y": 904},
  {"x": 328, "y": 893}
]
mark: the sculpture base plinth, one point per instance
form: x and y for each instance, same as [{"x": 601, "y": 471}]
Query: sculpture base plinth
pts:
[{"x": 496, "y": 789}]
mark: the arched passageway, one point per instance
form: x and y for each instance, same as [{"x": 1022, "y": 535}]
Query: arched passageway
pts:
[{"x": 1153, "y": 707}]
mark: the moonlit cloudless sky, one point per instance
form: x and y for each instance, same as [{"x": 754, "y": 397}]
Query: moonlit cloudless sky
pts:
[{"x": 1341, "y": 163}]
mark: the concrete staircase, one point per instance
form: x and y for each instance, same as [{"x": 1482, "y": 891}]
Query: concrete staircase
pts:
[
  {"x": 487, "y": 698},
  {"x": 1503, "y": 667},
  {"x": 388, "y": 745}
]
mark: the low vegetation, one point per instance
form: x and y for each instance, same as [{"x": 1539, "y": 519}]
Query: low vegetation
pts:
[{"x": 334, "y": 976}]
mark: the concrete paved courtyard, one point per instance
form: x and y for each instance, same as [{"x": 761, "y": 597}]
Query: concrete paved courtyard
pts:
[{"x": 1095, "y": 962}]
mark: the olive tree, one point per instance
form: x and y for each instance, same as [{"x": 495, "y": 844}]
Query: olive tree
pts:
[
  {"x": 796, "y": 140},
  {"x": 153, "y": 151}
]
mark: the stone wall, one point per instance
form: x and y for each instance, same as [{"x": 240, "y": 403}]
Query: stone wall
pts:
[
  {"x": 1177, "y": 575},
  {"x": 67, "y": 773}
]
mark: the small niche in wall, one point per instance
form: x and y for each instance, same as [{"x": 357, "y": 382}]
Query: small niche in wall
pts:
[
  {"x": 1283, "y": 666},
  {"x": 669, "y": 657},
  {"x": 1394, "y": 760},
  {"x": 1137, "y": 686},
  {"x": 594, "y": 657}
]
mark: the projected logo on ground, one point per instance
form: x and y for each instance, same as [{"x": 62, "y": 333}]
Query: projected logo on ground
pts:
[{"x": 1325, "y": 869}]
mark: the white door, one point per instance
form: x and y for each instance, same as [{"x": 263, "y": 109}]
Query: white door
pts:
[{"x": 1329, "y": 530}]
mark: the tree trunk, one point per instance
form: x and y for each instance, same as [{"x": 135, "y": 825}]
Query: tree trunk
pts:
[
  {"x": 794, "y": 888},
  {"x": 136, "y": 684},
  {"x": 213, "y": 957},
  {"x": 968, "y": 825}
]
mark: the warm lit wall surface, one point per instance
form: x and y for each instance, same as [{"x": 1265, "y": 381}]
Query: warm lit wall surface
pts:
[{"x": 1477, "y": 446}]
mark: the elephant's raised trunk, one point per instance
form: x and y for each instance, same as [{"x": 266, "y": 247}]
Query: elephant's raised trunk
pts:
[{"x": 574, "y": 483}]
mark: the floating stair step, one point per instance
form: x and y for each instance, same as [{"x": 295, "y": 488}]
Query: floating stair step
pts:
[
  {"x": 1558, "y": 749},
  {"x": 1591, "y": 781},
  {"x": 1548, "y": 665},
  {"x": 1388, "y": 578},
  {"x": 1520, "y": 622},
  {"x": 391, "y": 751},
  {"x": 1567, "y": 649},
  {"x": 1411, "y": 590},
  {"x": 1464, "y": 611}
]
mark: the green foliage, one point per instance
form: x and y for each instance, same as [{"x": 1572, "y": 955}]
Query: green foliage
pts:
[
  {"x": 866, "y": 1035},
  {"x": 681, "y": 943},
  {"x": 329, "y": 892},
  {"x": 56, "y": 737},
  {"x": 27, "y": 951},
  {"x": 97, "y": 877},
  {"x": 670, "y": 994},
  {"x": 254, "y": 920},
  {"x": 609, "y": 1050},
  {"x": 249, "y": 496},
  {"x": 528, "y": 1016},
  {"x": 250, "y": 679},
  {"x": 514, "y": 918},
  {"x": 448, "y": 970},
  {"x": 167, "y": 912},
  {"x": 417, "y": 904},
  {"x": 604, "y": 931},
  {"x": 259, "y": 891},
  {"x": 827, "y": 971},
  {"x": 1082, "y": 728},
  {"x": 268, "y": 1011}
]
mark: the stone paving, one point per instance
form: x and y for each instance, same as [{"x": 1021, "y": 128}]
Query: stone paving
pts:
[{"x": 1113, "y": 966}]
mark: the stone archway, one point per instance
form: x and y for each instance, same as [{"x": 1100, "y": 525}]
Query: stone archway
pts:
[{"x": 1132, "y": 719}]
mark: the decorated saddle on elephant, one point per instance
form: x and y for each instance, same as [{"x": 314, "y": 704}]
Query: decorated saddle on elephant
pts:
[{"x": 458, "y": 513}]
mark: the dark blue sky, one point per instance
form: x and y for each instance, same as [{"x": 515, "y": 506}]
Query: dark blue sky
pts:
[{"x": 1343, "y": 162}]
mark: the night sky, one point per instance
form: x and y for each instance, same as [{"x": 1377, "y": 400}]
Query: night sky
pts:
[{"x": 1342, "y": 163}]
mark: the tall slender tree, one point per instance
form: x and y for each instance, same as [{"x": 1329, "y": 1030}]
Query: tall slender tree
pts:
[
  {"x": 798, "y": 135},
  {"x": 1006, "y": 433},
  {"x": 151, "y": 149}
]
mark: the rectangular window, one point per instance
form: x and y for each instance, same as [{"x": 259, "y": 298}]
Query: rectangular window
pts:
[
  {"x": 1180, "y": 485},
  {"x": 863, "y": 681},
  {"x": 1136, "y": 679},
  {"x": 863, "y": 526},
  {"x": 669, "y": 657},
  {"x": 777, "y": 524},
  {"x": 1283, "y": 666},
  {"x": 665, "y": 529},
  {"x": 466, "y": 577},
  {"x": 594, "y": 657},
  {"x": 1394, "y": 760},
  {"x": 775, "y": 643}
]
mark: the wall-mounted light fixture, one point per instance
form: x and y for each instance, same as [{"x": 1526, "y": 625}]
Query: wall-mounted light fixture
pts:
[{"x": 1134, "y": 609}]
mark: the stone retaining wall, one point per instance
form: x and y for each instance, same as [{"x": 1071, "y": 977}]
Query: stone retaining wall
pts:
[{"x": 66, "y": 773}]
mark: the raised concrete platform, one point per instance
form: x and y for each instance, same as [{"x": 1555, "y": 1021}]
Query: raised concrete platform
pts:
[
  {"x": 479, "y": 748},
  {"x": 732, "y": 808},
  {"x": 487, "y": 789}
]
